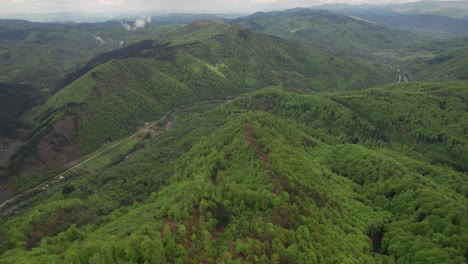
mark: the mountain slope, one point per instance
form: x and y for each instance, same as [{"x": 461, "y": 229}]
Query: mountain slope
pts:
[
  {"x": 449, "y": 61},
  {"x": 330, "y": 31},
  {"x": 452, "y": 8},
  {"x": 238, "y": 184},
  {"x": 428, "y": 25},
  {"x": 424, "y": 120},
  {"x": 209, "y": 61},
  {"x": 14, "y": 100},
  {"x": 446, "y": 8},
  {"x": 39, "y": 54},
  {"x": 35, "y": 57}
]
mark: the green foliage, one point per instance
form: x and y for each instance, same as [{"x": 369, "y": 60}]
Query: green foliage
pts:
[
  {"x": 427, "y": 117},
  {"x": 271, "y": 177},
  {"x": 14, "y": 100},
  {"x": 337, "y": 33},
  {"x": 39, "y": 54},
  {"x": 114, "y": 98},
  {"x": 368, "y": 176},
  {"x": 448, "y": 61}
]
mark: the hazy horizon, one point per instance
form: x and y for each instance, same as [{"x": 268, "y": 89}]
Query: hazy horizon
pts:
[{"x": 164, "y": 6}]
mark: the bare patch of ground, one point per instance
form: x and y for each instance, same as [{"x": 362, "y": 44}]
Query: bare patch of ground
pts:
[{"x": 54, "y": 147}]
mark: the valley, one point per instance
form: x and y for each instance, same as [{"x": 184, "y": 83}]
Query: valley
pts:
[{"x": 294, "y": 136}]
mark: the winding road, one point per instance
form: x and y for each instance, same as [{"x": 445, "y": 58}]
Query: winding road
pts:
[
  {"x": 144, "y": 129},
  {"x": 57, "y": 177}
]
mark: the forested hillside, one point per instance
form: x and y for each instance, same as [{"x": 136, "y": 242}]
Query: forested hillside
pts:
[
  {"x": 14, "y": 99},
  {"x": 448, "y": 61},
  {"x": 299, "y": 136},
  {"x": 205, "y": 61},
  {"x": 434, "y": 26},
  {"x": 36, "y": 57},
  {"x": 345, "y": 35},
  {"x": 40, "y": 54},
  {"x": 271, "y": 177},
  {"x": 452, "y": 8}
]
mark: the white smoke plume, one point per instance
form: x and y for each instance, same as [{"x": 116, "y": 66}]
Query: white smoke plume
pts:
[
  {"x": 139, "y": 23},
  {"x": 100, "y": 40},
  {"x": 121, "y": 43},
  {"x": 126, "y": 26}
]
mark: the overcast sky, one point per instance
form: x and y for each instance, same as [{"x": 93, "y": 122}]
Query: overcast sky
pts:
[{"x": 109, "y": 6}]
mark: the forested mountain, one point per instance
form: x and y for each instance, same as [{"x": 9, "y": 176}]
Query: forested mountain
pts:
[
  {"x": 450, "y": 8},
  {"x": 39, "y": 54},
  {"x": 272, "y": 177},
  {"x": 14, "y": 99},
  {"x": 434, "y": 26},
  {"x": 280, "y": 137},
  {"x": 330, "y": 31},
  {"x": 448, "y": 61},
  {"x": 206, "y": 61},
  {"x": 454, "y": 8}
]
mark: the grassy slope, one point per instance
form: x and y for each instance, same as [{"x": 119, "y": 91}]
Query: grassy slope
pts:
[{"x": 238, "y": 184}]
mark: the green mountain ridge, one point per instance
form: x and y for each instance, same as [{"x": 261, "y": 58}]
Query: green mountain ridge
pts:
[
  {"x": 250, "y": 148},
  {"x": 448, "y": 62},
  {"x": 237, "y": 184},
  {"x": 212, "y": 61},
  {"x": 334, "y": 32},
  {"x": 452, "y": 8}
]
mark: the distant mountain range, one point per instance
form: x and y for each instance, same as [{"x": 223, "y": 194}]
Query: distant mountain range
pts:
[
  {"x": 330, "y": 31},
  {"x": 419, "y": 17},
  {"x": 433, "y": 7}
]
